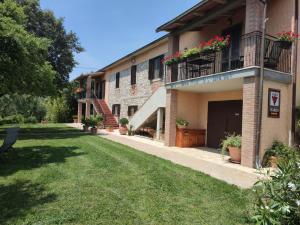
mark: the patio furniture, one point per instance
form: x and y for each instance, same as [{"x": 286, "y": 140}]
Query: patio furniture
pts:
[{"x": 10, "y": 139}]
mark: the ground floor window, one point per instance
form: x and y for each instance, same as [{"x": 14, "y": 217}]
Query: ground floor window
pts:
[
  {"x": 116, "y": 110},
  {"x": 132, "y": 110}
]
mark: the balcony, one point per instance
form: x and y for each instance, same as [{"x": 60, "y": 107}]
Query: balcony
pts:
[{"x": 244, "y": 53}]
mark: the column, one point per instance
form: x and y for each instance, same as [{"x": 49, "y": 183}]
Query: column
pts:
[
  {"x": 159, "y": 122},
  {"x": 250, "y": 105},
  {"x": 79, "y": 114},
  {"x": 173, "y": 47},
  {"x": 171, "y": 114},
  {"x": 88, "y": 108}
]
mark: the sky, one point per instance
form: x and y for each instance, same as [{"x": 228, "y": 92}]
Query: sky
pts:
[{"x": 111, "y": 29}]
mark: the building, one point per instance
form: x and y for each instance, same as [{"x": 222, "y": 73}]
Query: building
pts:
[{"x": 217, "y": 92}]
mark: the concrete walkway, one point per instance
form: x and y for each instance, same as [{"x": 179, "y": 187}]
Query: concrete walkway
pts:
[{"x": 200, "y": 159}]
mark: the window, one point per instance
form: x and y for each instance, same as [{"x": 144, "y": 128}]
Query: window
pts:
[
  {"x": 116, "y": 110},
  {"x": 117, "y": 80},
  {"x": 133, "y": 75},
  {"x": 156, "y": 68},
  {"x": 132, "y": 110}
]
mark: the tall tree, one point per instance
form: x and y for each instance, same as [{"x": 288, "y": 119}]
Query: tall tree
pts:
[
  {"x": 63, "y": 45},
  {"x": 23, "y": 56}
]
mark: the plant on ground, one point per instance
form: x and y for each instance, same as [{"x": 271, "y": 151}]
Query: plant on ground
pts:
[
  {"x": 278, "y": 196},
  {"x": 231, "y": 140},
  {"x": 94, "y": 121},
  {"x": 278, "y": 149},
  {"x": 123, "y": 121},
  {"x": 57, "y": 109},
  {"x": 86, "y": 122}
]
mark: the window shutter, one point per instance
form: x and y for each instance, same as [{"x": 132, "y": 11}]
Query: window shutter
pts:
[
  {"x": 117, "y": 80},
  {"x": 119, "y": 110},
  {"x": 113, "y": 109},
  {"x": 133, "y": 74},
  {"x": 151, "y": 69}
]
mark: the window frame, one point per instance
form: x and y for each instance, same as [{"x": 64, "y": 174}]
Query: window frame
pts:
[
  {"x": 151, "y": 71},
  {"x": 117, "y": 85},
  {"x": 133, "y": 75},
  {"x": 114, "y": 110},
  {"x": 135, "y": 109}
]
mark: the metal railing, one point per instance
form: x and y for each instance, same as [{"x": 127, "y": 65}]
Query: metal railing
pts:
[{"x": 244, "y": 54}]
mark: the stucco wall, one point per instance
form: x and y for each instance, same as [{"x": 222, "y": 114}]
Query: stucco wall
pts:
[
  {"x": 194, "y": 106},
  {"x": 276, "y": 128},
  {"x": 128, "y": 94}
]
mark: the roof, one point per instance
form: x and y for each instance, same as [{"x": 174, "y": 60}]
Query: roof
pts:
[
  {"x": 197, "y": 13},
  {"x": 136, "y": 52},
  {"x": 92, "y": 74}
]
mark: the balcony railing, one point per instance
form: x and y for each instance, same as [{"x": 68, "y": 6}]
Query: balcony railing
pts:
[{"x": 245, "y": 53}]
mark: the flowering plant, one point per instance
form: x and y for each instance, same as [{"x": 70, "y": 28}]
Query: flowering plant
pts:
[
  {"x": 287, "y": 36},
  {"x": 216, "y": 44},
  {"x": 190, "y": 52},
  {"x": 278, "y": 196},
  {"x": 169, "y": 60}
]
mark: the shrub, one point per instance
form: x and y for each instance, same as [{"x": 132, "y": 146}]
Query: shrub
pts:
[
  {"x": 231, "y": 140},
  {"x": 95, "y": 120},
  {"x": 57, "y": 110},
  {"x": 31, "y": 119},
  {"x": 123, "y": 121},
  {"x": 278, "y": 197},
  {"x": 86, "y": 122},
  {"x": 13, "y": 119},
  {"x": 278, "y": 149}
]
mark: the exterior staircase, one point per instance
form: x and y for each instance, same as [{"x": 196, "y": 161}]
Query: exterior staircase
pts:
[{"x": 102, "y": 108}]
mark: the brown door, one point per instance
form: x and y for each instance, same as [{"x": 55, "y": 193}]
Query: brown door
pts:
[{"x": 224, "y": 117}]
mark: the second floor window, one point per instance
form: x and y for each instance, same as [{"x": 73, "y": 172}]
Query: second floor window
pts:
[
  {"x": 117, "y": 80},
  {"x": 156, "y": 68},
  {"x": 133, "y": 75},
  {"x": 132, "y": 110},
  {"x": 116, "y": 110}
]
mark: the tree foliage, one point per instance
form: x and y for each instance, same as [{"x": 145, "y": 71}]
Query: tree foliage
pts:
[
  {"x": 23, "y": 56},
  {"x": 63, "y": 44}
]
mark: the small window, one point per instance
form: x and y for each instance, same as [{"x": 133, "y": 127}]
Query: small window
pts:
[
  {"x": 133, "y": 75},
  {"x": 117, "y": 80},
  {"x": 132, "y": 110},
  {"x": 116, "y": 110},
  {"x": 156, "y": 68}
]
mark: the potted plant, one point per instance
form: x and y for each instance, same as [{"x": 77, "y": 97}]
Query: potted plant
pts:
[
  {"x": 172, "y": 59},
  {"x": 272, "y": 155},
  {"x": 94, "y": 121},
  {"x": 216, "y": 44},
  {"x": 131, "y": 131},
  {"x": 109, "y": 129},
  {"x": 233, "y": 144},
  {"x": 75, "y": 119},
  {"x": 286, "y": 39},
  {"x": 86, "y": 124},
  {"x": 191, "y": 53},
  {"x": 123, "y": 126},
  {"x": 182, "y": 124}
]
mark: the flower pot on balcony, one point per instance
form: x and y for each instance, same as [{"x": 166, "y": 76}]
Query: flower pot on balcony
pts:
[
  {"x": 284, "y": 44},
  {"x": 123, "y": 130},
  {"x": 94, "y": 130},
  {"x": 235, "y": 155}
]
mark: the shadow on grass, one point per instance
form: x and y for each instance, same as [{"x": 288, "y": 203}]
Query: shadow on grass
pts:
[
  {"x": 18, "y": 198},
  {"x": 28, "y": 158}
]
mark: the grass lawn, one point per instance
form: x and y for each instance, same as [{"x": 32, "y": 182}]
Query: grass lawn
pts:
[{"x": 58, "y": 175}]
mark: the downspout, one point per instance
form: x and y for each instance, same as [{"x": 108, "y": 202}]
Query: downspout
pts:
[
  {"x": 261, "y": 87},
  {"x": 295, "y": 69}
]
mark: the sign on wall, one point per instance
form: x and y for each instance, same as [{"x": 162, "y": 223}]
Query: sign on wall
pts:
[{"x": 274, "y": 103}]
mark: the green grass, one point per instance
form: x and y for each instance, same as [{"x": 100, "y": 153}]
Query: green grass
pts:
[{"x": 57, "y": 175}]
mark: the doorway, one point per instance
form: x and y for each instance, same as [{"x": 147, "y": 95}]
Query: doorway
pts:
[{"x": 224, "y": 117}]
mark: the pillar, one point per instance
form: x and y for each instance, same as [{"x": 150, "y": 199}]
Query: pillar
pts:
[
  {"x": 88, "y": 87},
  {"x": 159, "y": 122},
  {"x": 79, "y": 113},
  {"x": 88, "y": 108},
  {"x": 173, "y": 47},
  {"x": 171, "y": 114},
  {"x": 250, "y": 106}
]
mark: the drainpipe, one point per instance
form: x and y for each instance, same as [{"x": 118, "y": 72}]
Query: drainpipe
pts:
[
  {"x": 295, "y": 69},
  {"x": 261, "y": 87}
]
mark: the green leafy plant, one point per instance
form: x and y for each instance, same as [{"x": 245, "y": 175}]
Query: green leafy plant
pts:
[
  {"x": 231, "y": 140},
  {"x": 182, "y": 122},
  {"x": 123, "y": 121},
  {"x": 95, "y": 120},
  {"x": 131, "y": 131},
  {"x": 216, "y": 44},
  {"x": 278, "y": 150},
  {"x": 278, "y": 196},
  {"x": 86, "y": 122},
  {"x": 190, "y": 52},
  {"x": 287, "y": 36}
]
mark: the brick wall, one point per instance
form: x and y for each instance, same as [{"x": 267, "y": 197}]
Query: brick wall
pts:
[{"x": 171, "y": 114}]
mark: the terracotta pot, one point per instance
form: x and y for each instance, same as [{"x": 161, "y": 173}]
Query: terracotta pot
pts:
[
  {"x": 85, "y": 128},
  {"x": 109, "y": 129},
  {"x": 235, "y": 154},
  {"x": 94, "y": 130},
  {"x": 273, "y": 161},
  {"x": 123, "y": 130}
]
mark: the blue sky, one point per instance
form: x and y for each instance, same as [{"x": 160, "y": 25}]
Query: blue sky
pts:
[{"x": 111, "y": 29}]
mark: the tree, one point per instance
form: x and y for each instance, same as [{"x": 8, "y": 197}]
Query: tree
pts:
[
  {"x": 23, "y": 56},
  {"x": 63, "y": 45}
]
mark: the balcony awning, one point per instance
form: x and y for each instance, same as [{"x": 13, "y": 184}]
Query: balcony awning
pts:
[{"x": 202, "y": 14}]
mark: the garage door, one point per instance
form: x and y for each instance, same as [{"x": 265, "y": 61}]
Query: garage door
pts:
[{"x": 224, "y": 117}]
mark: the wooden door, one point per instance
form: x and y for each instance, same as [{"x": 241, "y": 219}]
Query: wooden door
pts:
[{"x": 224, "y": 117}]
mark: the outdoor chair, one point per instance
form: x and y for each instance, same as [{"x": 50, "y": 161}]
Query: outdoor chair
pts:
[{"x": 10, "y": 139}]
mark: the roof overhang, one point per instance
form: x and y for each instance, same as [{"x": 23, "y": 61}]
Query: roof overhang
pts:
[
  {"x": 93, "y": 75},
  {"x": 201, "y": 15}
]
